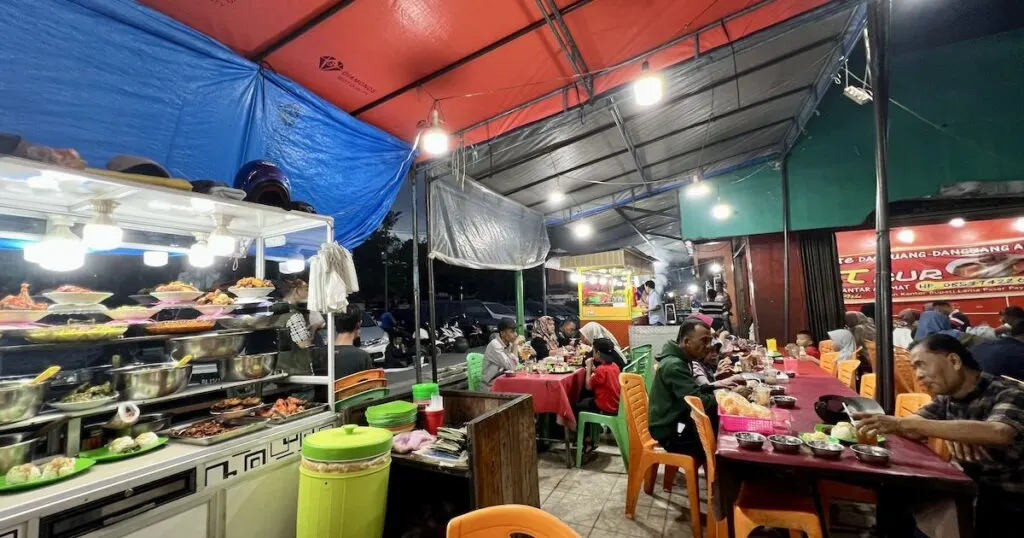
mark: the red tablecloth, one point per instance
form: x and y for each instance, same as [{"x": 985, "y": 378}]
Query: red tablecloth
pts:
[{"x": 552, "y": 393}]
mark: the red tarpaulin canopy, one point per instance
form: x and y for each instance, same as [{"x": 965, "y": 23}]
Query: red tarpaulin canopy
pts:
[{"x": 387, "y": 63}]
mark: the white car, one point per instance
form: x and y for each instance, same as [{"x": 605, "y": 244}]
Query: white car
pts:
[{"x": 373, "y": 339}]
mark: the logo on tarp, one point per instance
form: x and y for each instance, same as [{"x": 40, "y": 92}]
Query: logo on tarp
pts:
[{"x": 330, "y": 63}]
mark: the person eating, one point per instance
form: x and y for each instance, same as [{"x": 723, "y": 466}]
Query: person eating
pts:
[
  {"x": 670, "y": 421},
  {"x": 602, "y": 380},
  {"x": 593, "y": 331},
  {"x": 567, "y": 335},
  {"x": 807, "y": 344},
  {"x": 501, "y": 354},
  {"x": 543, "y": 340},
  {"x": 981, "y": 418}
]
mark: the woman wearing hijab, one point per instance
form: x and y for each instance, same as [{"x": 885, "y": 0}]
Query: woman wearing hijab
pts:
[
  {"x": 544, "y": 341},
  {"x": 593, "y": 333},
  {"x": 844, "y": 343},
  {"x": 935, "y": 322},
  {"x": 863, "y": 330}
]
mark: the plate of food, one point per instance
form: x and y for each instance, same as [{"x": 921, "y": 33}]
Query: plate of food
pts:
[
  {"x": 289, "y": 409},
  {"x": 132, "y": 313},
  {"x": 176, "y": 292},
  {"x": 87, "y": 396},
  {"x": 236, "y": 407},
  {"x": 21, "y": 308},
  {"x": 215, "y": 430},
  {"x": 126, "y": 447},
  {"x": 214, "y": 309},
  {"x": 823, "y": 437},
  {"x": 844, "y": 432},
  {"x": 29, "y": 475},
  {"x": 214, "y": 302},
  {"x": 181, "y": 326},
  {"x": 75, "y": 333},
  {"x": 76, "y": 295},
  {"x": 252, "y": 288}
]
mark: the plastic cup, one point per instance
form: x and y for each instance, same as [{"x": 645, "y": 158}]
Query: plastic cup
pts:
[{"x": 433, "y": 420}]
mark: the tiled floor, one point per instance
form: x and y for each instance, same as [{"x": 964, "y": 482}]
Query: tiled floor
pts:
[{"x": 592, "y": 501}]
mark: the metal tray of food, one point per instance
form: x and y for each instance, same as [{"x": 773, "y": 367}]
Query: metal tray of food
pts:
[
  {"x": 244, "y": 425},
  {"x": 315, "y": 409},
  {"x": 239, "y": 413}
]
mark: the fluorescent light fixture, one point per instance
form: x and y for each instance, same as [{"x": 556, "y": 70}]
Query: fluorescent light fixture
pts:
[
  {"x": 698, "y": 189},
  {"x": 155, "y": 258},
  {"x": 715, "y": 268},
  {"x": 102, "y": 233},
  {"x": 957, "y": 222},
  {"x": 905, "y": 236},
  {"x": 556, "y": 196},
  {"x": 721, "y": 211},
  {"x": 434, "y": 139},
  {"x": 582, "y": 230},
  {"x": 648, "y": 88}
]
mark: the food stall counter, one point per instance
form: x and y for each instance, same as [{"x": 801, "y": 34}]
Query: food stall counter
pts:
[{"x": 181, "y": 473}]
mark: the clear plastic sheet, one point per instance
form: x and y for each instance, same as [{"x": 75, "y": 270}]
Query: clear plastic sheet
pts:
[{"x": 472, "y": 226}]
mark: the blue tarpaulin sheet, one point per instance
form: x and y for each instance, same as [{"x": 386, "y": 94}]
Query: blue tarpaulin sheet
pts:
[{"x": 113, "y": 77}]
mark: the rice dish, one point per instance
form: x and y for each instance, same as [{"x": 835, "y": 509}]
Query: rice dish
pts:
[
  {"x": 147, "y": 440},
  {"x": 844, "y": 431},
  {"x": 58, "y": 467},
  {"x": 19, "y": 474},
  {"x": 121, "y": 445}
]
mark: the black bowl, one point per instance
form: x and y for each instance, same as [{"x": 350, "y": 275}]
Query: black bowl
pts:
[
  {"x": 830, "y": 411},
  {"x": 784, "y": 402}
]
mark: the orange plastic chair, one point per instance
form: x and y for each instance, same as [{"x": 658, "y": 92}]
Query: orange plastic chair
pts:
[
  {"x": 828, "y": 362},
  {"x": 872, "y": 354},
  {"x": 905, "y": 380},
  {"x": 908, "y": 404},
  {"x": 759, "y": 504},
  {"x": 848, "y": 373},
  {"x": 645, "y": 454},
  {"x": 825, "y": 346},
  {"x": 508, "y": 519},
  {"x": 867, "y": 386}
]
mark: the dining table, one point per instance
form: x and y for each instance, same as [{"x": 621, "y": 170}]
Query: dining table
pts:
[
  {"x": 551, "y": 393},
  {"x": 913, "y": 468}
]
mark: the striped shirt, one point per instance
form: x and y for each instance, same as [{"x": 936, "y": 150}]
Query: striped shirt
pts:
[{"x": 712, "y": 308}]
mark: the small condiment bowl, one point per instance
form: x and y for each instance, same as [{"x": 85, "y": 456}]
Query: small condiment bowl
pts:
[
  {"x": 784, "y": 402},
  {"x": 750, "y": 440},
  {"x": 827, "y": 450},
  {"x": 786, "y": 444},
  {"x": 778, "y": 390},
  {"x": 875, "y": 455}
]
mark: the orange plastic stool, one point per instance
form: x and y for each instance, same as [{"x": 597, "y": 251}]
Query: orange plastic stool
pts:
[
  {"x": 828, "y": 362},
  {"x": 506, "y": 520},
  {"x": 825, "y": 346},
  {"x": 867, "y": 386},
  {"x": 645, "y": 454},
  {"x": 848, "y": 373}
]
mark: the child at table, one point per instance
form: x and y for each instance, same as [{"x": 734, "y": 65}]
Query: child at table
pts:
[
  {"x": 807, "y": 343},
  {"x": 602, "y": 380}
]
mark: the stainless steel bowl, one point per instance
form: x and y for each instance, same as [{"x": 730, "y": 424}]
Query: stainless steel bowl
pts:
[
  {"x": 207, "y": 346},
  {"x": 827, "y": 450},
  {"x": 150, "y": 422},
  {"x": 786, "y": 444},
  {"x": 16, "y": 449},
  {"x": 875, "y": 455},
  {"x": 784, "y": 402},
  {"x": 750, "y": 440},
  {"x": 20, "y": 399},
  {"x": 247, "y": 367},
  {"x": 150, "y": 381}
]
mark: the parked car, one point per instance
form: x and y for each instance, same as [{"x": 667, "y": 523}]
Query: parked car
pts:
[
  {"x": 485, "y": 314},
  {"x": 535, "y": 309},
  {"x": 372, "y": 338}
]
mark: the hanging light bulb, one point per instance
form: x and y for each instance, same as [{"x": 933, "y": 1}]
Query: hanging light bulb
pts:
[
  {"x": 221, "y": 242},
  {"x": 582, "y": 230},
  {"x": 574, "y": 278},
  {"x": 32, "y": 252},
  {"x": 556, "y": 196},
  {"x": 60, "y": 250},
  {"x": 698, "y": 189},
  {"x": 199, "y": 254},
  {"x": 648, "y": 88},
  {"x": 692, "y": 288},
  {"x": 715, "y": 268},
  {"x": 721, "y": 211},
  {"x": 155, "y": 258},
  {"x": 434, "y": 138},
  {"x": 102, "y": 233}
]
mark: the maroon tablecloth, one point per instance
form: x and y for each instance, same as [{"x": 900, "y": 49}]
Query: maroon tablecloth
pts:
[{"x": 552, "y": 393}]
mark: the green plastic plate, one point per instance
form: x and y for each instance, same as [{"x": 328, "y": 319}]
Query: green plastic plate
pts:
[
  {"x": 103, "y": 454},
  {"x": 81, "y": 464}
]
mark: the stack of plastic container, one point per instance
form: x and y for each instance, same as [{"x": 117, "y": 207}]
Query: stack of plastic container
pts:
[{"x": 397, "y": 416}]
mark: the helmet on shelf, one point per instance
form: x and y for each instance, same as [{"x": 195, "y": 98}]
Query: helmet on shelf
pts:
[{"x": 264, "y": 183}]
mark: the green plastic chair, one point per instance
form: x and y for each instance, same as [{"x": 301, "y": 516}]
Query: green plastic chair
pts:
[
  {"x": 474, "y": 370},
  {"x": 617, "y": 425},
  {"x": 643, "y": 358}
]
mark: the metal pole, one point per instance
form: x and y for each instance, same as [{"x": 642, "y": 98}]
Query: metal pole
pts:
[
  {"x": 878, "y": 63},
  {"x": 432, "y": 312},
  {"x": 520, "y": 310},
  {"x": 785, "y": 250},
  {"x": 416, "y": 281},
  {"x": 544, "y": 289}
]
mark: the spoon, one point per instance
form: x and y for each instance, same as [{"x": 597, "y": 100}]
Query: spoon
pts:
[{"x": 46, "y": 375}]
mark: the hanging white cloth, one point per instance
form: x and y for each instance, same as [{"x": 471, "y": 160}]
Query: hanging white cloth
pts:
[{"x": 332, "y": 276}]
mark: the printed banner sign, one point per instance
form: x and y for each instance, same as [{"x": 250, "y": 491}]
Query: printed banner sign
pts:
[{"x": 978, "y": 259}]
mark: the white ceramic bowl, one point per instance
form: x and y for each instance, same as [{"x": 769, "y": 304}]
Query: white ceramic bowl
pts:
[
  {"x": 132, "y": 314},
  {"x": 251, "y": 293},
  {"x": 75, "y": 298},
  {"x": 83, "y": 406},
  {"x": 176, "y": 296}
]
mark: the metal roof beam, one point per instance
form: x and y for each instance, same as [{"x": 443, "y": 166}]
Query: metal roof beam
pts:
[
  {"x": 628, "y": 141},
  {"x": 665, "y": 236},
  {"x": 658, "y": 213},
  {"x": 633, "y": 225},
  {"x": 568, "y": 45},
  {"x": 263, "y": 52},
  {"x": 466, "y": 59}
]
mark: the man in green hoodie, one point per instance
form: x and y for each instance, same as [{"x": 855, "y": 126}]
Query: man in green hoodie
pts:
[{"x": 670, "y": 421}]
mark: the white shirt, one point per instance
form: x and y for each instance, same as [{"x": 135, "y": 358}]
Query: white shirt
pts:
[{"x": 654, "y": 308}]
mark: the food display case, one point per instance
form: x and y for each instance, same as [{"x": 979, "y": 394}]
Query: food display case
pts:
[
  {"x": 115, "y": 279},
  {"x": 608, "y": 284}
]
